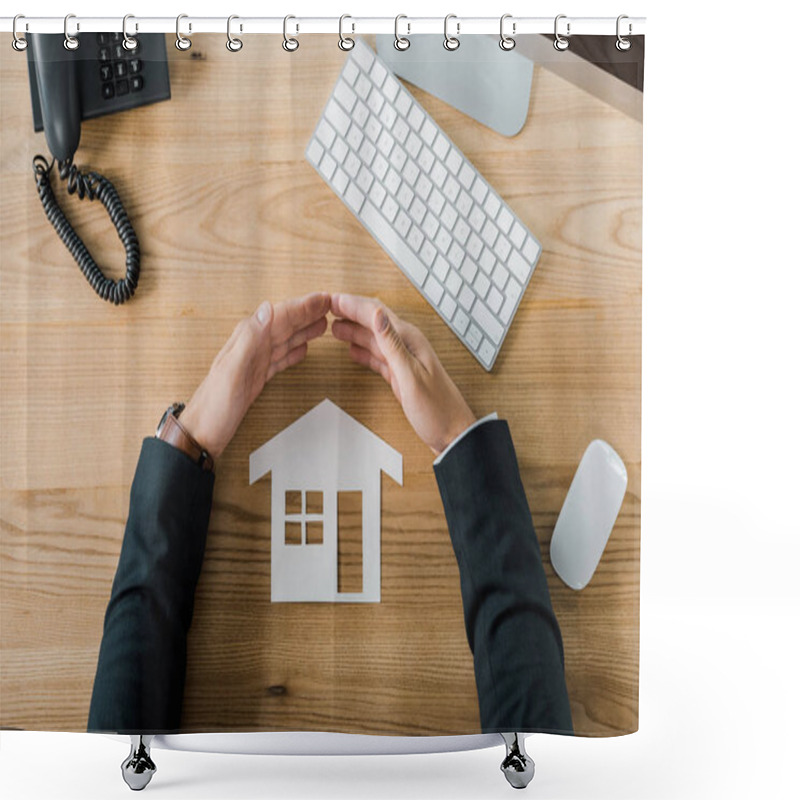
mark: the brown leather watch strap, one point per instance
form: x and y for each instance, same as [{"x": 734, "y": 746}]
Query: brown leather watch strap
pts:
[{"x": 172, "y": 432}]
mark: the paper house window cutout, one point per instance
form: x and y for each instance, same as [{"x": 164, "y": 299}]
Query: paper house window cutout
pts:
[{"x": 325, "y": 452}]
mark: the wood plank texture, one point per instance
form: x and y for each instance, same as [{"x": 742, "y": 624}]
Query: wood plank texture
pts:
[{"x": 228, "y": 213}]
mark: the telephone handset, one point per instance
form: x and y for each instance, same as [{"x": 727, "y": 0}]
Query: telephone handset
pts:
[{"x": 67, "y": 86}]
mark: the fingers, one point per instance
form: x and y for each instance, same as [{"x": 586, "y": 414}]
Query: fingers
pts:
[
  {"x": 391, "y": 345},
  {"x": 297, "y": 313},
  {"x": 368, "y": 359},
  {"x": 313, "y": 331},
  {"x": 353, "y": 333},
  {"x": 294, "y": 356},
  {"x": 358, "y": 309}
]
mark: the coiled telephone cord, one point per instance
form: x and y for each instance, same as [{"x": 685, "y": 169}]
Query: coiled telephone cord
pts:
[{"x": 91, "y": 185}]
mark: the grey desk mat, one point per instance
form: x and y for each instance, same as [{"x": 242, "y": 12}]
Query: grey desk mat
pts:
[{"x": 479, "y": 79}]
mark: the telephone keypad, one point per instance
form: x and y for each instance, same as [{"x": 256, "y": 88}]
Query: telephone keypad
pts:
[{"x": 117, "y": 64}]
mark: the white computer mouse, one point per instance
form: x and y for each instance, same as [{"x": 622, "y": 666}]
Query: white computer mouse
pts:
[{"x": 588, "y": 514}]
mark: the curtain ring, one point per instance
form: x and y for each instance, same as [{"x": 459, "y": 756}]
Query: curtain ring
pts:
[
  {"x": 130, "y": 43},
  {"x": 623, "y": 43},
  {"x": 560, "y": 42},
  {"x": 400, "y": 42},
  {"x": 71, "y": 42},
  {"x": 289, "y": 44},
  {"x": 181, "y": 42},
  {"x": 507, "y": 42},
  {"x": 233, "y": 44},
  {"x": 19, "y": 43},
  {"x": 345, "y": 42},
  {"x": 451, "y": 42}
]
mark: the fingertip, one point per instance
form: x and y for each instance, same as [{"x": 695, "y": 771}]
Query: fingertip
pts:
[
  {"x": 264, "y": 313},
  {"x": 380, "y": 320}
]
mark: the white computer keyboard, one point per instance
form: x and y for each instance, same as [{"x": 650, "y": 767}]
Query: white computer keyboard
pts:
[{"x": 424, "y": 203}]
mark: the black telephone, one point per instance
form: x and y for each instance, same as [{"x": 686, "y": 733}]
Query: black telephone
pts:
[{"x": 100, "y": 76}]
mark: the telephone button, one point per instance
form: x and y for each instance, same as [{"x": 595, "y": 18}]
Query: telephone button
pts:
[
  {"x": 120, "y": 69},
  {"x": 122, "y": 87},
  {"x": 119, "y": 51},
  {"x": 137, "y": 83},
  {"x": 108, "y": 91},
  {"x": 134, "y": 66},
  {"x": 104, "y": 54},
  {"x": 106, "y": 73}
]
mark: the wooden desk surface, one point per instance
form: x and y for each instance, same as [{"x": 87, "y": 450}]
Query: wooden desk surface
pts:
[{"x": 228, "y": 212}]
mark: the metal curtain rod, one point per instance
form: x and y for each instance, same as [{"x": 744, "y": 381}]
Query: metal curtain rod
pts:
[{"x": 298, "y": 25}]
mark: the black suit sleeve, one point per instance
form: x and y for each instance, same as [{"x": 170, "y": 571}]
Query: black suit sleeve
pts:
[
  {"x": 138, "y": 686},
  {"x": 511, "y": 628}
]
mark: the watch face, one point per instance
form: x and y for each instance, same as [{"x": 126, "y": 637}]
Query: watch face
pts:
[{"x": 175, "y": 409}]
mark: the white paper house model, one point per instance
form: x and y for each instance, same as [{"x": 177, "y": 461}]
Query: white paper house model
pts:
[{"x": 320, "y": 464}]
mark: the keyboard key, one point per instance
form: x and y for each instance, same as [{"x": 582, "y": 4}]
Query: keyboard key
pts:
[
  {"x": 530, "y": 250},
  {"x": 398, "y": 157},
  {"x": 447, "y": 307},
  {"x": 377, "y": 194},
  {"x": 479, "y": 189},
  {"x": 392, "y": 181},
  {"x": 494, "y": 300},
  {"x": 326, "y": 134},
  {"x": 387, "y": 116},
  {"x": 513, "y": 290},
  {"x": 436, "y": 202},
  {"x": 340, "y": 181},
  {"x": 390, "y": 88},
  {"x": 474, "y": 246},
  {"x": 364, "y": 179},
  {"x": 345, "y": 95},
  {"x": 489, "y": 233},
  {"x": 362, "y": 55},
  {"x": 500, "y": 276},
  {"x": 380, "y": 166},
  {"x": 518, "y": 266},
  {"x": 449, "y": 216},
  {"x": 517, "y": 235},
  {"x": 385, "y": 142},
  {"x": 453, "y": 282},
  {"x": 350, "y": 71},
  {"x": 466, "y": 297},
  {"x": 464, "y": 204},
  {"x": 390, "y": 208},
  {"x": 461, "y": 231},
  {"x": 314, "y": 151},
  {"x": 505, "y": 220},
  {"x": 338, "y": 117},
  {"x": 413, "y": 144},
  {"x": 487, "y": 261},
  {"x": 440, "y": 267},
  {"x": 443, "y": 239},
  {"x": 354, "y": 197},
  {"x": 375, "y": 102},
  {"x": 441, "y": 146},
  {"x": 418, "y": 210},
  {"x": 473, "y": 336},
  {"x": 431, "y": 225},
  {"x": 486, "y": 352},
  {"x": 415, "y": 238},
  {"x": 433, "y": 289},
  {"x": 360, "y": 114},
  {"x": 403, "y": 103},
  {"x": 469, "y": 269},
  {"x": 428, "y": 131},
  {"x": 451, "y": 189},
  {"x": 487, "y": 321},
  {"x": 426, "y": 159},
  {"x": 400, "y": 130},
  {"x": 481, "y": 284},
  {"x": 428, "y": 253},
  {"x": 507, "y": 311},
  {"x": 367, "y": 152},
  {"x": 423, "y": 187},
  {"x": 328, "y": 166},
  {"x": 466, "y": 175},
  {"x": 454, "y": 161},
  {"x": 438, "y": 174},
  {"x": 502, "y": 247},
  {"x": 373, "y": 129},
  {"x": 405, "y": 197},
  {"x": 416, "y": 117},
  {"x": 352, "y": 164},
  {"x": 339, "y": 151},
  {"x": 455, "y": 255},
  {"x": 402, "y": 223},
  {"x": 491, "y": 205},
  {"x": 378, "y": 73},
  {"x": 477, "y": 218},
  {"x": 460, "y": 321},
  {"x": 411, "y": 172},
  {"x": 354, "y": 137}
]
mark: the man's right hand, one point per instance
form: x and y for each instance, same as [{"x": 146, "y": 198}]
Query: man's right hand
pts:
[{"x": 399, "y": 352}]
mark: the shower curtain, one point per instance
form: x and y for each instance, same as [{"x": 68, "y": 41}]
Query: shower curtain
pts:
[{"x": 325, "y": 574}]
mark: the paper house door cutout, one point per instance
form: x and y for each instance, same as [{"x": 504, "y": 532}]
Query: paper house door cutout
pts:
[{"x": 322, "y": 454}]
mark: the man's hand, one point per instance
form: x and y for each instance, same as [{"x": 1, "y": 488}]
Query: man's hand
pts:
[
  {"x": 262, "y": 345},
  {"x": 403, "y": 356}
]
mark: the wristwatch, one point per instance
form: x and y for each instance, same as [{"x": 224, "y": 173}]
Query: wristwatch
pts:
[{"x": 171, "y": 431}]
